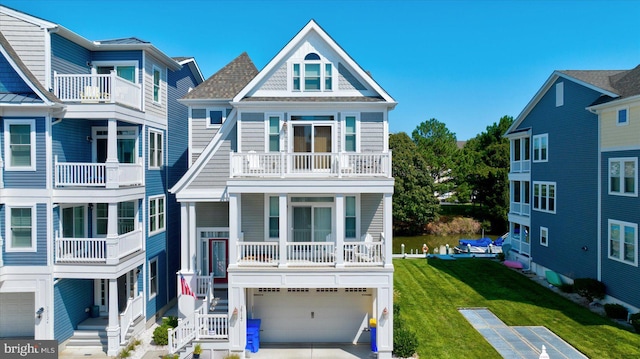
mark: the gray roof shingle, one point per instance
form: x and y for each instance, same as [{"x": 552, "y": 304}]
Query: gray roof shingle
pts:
[
  {"x": 316, "y": 99},
  {"x": 598, "y": 78},
  {"x": 124, "y": 40},
  {"x": 227, "y": 82}
]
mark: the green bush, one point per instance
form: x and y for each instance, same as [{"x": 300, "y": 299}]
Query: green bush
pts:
[
  {"x": 589, "y": 288},
  {"x": 566, "y": 287},
  {"x": 635, "y": 321},
  {"x": 170, "y": 321},
  {"x": 405, "y": 342},
  {"x": 616, "y": 311},
  {"x": 161, "y": 335}
]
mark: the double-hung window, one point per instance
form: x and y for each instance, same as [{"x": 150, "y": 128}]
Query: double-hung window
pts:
[
  {"x": 155, "y": 149},
  {"x": 153, "y": 277},
  {"x": 350, "y": 217},
  {"x": 20, "y": 145},
  {"x": 623, "y": 176},
  {"x": 544, "y": 236},
  {"x": 273, "y": 125},
  {"x": 156, "y": 84},
  {"x": 312, "y": 74},
  {"x": 540, "y": 148},
  {"x": 156, "y": 214},
  {"x": 274, "y": 217},
  {"x": 350, "y": 133},
  {"x": 22, "y": 229},
  {"x": 544, "y": 196},
  {"x": 623, "y": 241}
]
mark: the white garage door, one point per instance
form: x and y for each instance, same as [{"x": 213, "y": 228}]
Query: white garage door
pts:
[
  {"x": 17, "y": 316},
  {"x": 313, "y": 315}
]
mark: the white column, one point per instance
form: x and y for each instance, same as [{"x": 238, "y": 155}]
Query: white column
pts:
[
  {"x": 384, "y": 335},
  {"x": 184, "y": 236},
  {"x": 339, "y": 233},
  {"x": 283, "y": 229},
  {"x": 111, "y": 162},
  {"x": 234, "y": 230},
  {"x": 113, "y": 330},
  {"x": 112, "y": 233},
  {"x": 193, "y": 238},
  {"x": 387, "y": 227},
  {"x": 237, "y": 321}
]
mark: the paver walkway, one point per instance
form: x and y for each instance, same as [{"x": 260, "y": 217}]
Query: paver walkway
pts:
[{"x": 518, "y": 342}]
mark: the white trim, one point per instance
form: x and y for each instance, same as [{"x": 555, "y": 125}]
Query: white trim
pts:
[
  {"x": 621, "y": 161},
  {"x": 156, "y": 133},
  {"x": 623, "y": 225},
  {"x": 164, "y": 214},
  {"x": 540, "y": 137},
  {"x": 155, "y": 68},
  {"x": 343, "y": 130},
  {"x": 544, "y": 198},
  {"x": 157, "y": 289},
  {"x": 544, "y": 230},
  {"x": 620, "y": 148},
  {"x": 626, "y": 119},
  {"x": 34, "y": 230},
  {"x": 7, "y": 144},
  {"x": 559, "y": 94},
  {"x": 116, "y": 64},
  {"x": 333, "y": 123},
  {"x": 267, "y": 134}
]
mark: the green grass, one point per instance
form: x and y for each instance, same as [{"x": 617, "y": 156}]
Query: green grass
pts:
[{"x": 431, "y": 291}]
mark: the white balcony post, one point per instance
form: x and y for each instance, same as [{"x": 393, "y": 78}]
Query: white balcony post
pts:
[
  {"x": 112, "y": 233},
  {"x": 387, "y": 227},
  {"x": 184, "y": 235},
  {"x": 283, "y": 229},
  {"x": 384, "y": 316},
  {"x": 112, "y": 154},
  {"x": 113, "y": 330},
  {"x": 237, "y": 321},
  {"x": 339, "y": 233},
  {"x": 234, "y": 230},
  {"x": 192, "y": 238}
]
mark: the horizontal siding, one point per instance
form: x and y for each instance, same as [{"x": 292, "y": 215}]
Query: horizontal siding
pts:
[
  {"x": 68, "y": 57},
  {"x": 28, "y": 41},
  {"x": 252, "y": 213},
  {"x": 71, "y": 297},
  {"x": 157, "y": 302},
  {"x": 39, "y": 257},
  {"x": 157, "y": 108},
  {"x": 201, "y": 135},
  {"x": 30, "y": 179},
  {"x": 371, "y": 131},
  {"x": 253, "y": 132},
  {"x": 212, "y": 214},
  {"x": 10, "y": 80},
  {"x": 216, "y": 171},
  {"x": 372, "y": 214},
  {"x": 69, "y": 141},
  {"x": 613, "y": 135}
]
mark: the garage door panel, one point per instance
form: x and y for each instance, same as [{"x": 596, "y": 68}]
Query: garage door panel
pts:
[{"x": 17, "y": 315}]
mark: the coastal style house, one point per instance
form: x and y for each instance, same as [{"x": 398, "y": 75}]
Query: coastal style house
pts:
[
  {"x": 85, "y": 167},
  {"x": 565, "y": 203},
  {"x": 286, "y": 207}
]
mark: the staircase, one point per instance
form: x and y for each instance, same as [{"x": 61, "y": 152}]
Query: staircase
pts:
[
  {"x": 91, "y": 333},
  {"x": 221, "y": 293}
]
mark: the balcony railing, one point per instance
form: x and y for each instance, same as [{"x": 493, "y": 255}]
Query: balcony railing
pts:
[
  {"x": 520, "y": 208},
  {"x": 97, "y": 250},
  {"x": 109, "y": 175},
  {"x": 287, "y": 164},
  {"x": 93, "y": 88},
  {"x": 310, "y": 254},
  {"x": 520, "y": 166},
  {"x": 198, "y": 326}
]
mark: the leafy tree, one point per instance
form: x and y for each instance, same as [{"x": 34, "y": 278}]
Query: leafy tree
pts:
[
  {"x": 486, "y": 159},
  {"x": 439, "y": 147},
  {"x": 414, "y": 203}
]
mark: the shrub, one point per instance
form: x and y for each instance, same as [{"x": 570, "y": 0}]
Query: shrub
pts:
[
  {"x": 589, "y": 288},
  {"x": 170, "y": 321},
  {"x": 616, "y": 311},
  {"x": 161, "y": 335},
  {"x": 635, "y": 321},
  {"x": 456, "y": 225},
  {"x": 566, "y": 287},
  {"x": 405, "y": 342},
  {"x": 232, "y": 356}
]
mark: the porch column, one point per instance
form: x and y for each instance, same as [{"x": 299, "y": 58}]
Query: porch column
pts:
[
  {"x": 112, "y": 233},
  {"x": 283, "y": 229},
  {"x": 113, "y": 330},
  {"x": 193, "y": 238},
  {"x": 387, "y": 228},
  {"x": 339, "y": 234},
  {"x": 237, "y": 321},
  {"x": 384, "y": 335},
  {"x": 184, "y": 237},
  {"x": 234, "y": 230},
  {"x": 111, "y": 162}
]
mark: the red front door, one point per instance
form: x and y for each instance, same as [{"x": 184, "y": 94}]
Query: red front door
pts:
[{"x": 218, "y": 259}]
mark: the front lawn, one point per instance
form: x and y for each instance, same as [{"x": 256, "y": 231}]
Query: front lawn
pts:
[{"x": 430, "y": 292}]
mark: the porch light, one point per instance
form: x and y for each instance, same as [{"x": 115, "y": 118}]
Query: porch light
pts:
[
  {"x": 235, "y": 311},
  {"x": 39, "y": 312},
  {"x": 385, "y": 312}
]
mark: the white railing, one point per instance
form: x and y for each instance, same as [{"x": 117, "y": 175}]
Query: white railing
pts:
[
  {"x": 310, "y": 253},
  {"x": 520, "y": 208},
  {"x": 258, "y": 253},
  {"x": 93, "y": 88},
  {"x": 363, "y": 253},
  {"x": 97, "y": 250},
  {"x": 203, "y": 285},
  {"x": 183, "y": 334},
  {"x": 212, "y": 326},
  {"x": 520, "y": 166},
  {"x": 130, "y": 314},
  {"x": 284, "y": 164},
  {"x": 95, "y": 174}
]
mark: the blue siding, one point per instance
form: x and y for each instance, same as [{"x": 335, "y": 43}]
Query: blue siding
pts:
[
  {"x": 38, "y": 258},
  {"x": 10, "y": 81},
  {"x": 616, "y": 274},
  {"x": 156, "y": 303},
  {"x": 68, "y": 57},
  {"x": 572, "y": 164},
  {"x": 69, "y": 140},
  {"x": 120, "y": 56},
  {"x": 71, "y": 298},
  {"x": 29, "y": 179}
]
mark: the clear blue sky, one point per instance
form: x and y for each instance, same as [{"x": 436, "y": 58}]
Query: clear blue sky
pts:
[{"x": 466, "y": 63}]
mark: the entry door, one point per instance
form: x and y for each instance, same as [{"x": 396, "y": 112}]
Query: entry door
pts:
[
  {"x": 101, "y": 295},
  {"x": 311, "y": 223},
  {"x": 218, "y": 256}
]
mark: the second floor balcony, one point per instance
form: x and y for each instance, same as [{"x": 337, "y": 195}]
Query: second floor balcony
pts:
[
  {"x": 97, "y": 88},
  {"x": 97, "y": 250},
  {"x": 105, "y": 175},
  {"x": 309, "y": 164}
]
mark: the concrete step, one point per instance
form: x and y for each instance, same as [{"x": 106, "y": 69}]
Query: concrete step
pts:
[{"x": 88, "y": 338}]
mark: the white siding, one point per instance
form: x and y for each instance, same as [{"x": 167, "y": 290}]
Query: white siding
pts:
[{"x": 28, "y": 41}]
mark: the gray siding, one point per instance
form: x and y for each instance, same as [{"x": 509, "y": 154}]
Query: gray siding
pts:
[
  {"x": 277, "y": 81},
  {"x": 253, "y": 132},
  {"x": 371, "y": 131},
  {"x": 158, "y": 109},
  {"x": 216, "y": 171},
  {"x": 253, "y": 217},
  {"x": 372, "y": 214},
  {"x": 200, "y": 134},
  {"x": 616, "y": 274},
  {"x": 28, "y": 41},
  {"x": 212, "y": 214}
]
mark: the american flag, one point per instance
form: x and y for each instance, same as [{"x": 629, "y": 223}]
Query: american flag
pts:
[{"x": 186, "y": 290}]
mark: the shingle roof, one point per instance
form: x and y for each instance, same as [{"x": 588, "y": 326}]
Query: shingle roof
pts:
[
  {"x": 227, "y": 82},
  {"x": 315, "y": 99},
  {"x": 181, "y": 58},
  {"x": 599, "y": 78},
  {"x": 629, "y": 84},
  {"x": 124, "y": 40},
  {"x": 4, "y": 43}
]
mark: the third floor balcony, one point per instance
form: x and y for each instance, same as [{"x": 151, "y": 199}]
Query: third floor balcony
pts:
[{"x": 97, "y": 88}]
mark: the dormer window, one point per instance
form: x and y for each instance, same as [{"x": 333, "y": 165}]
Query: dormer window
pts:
[{"x": 313, "y": 74}]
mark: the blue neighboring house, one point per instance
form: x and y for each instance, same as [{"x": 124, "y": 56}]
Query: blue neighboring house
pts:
[
  {"x": 555, "y": 175},
  {"x": 91, "y": 137}
]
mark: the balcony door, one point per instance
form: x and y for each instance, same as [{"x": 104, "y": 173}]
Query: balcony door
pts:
[
  {"x": 312, "y": 222},
  {"x": 126, "y": 144},
  {"x": 215, "y": 253},
  {"x": 311, "y": 141},
  {"x": 74, "y": 224}
]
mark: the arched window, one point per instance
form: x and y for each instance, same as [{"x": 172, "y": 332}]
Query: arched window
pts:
[
  {"x": 313, "y": 74},
  {"x": 312, "y": 56}
]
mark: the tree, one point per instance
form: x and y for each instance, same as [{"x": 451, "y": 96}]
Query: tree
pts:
[
  {"x": 414, "y": 203},
  {"x": 487, "y": 170},
  {"x": 439, "y": 147}
]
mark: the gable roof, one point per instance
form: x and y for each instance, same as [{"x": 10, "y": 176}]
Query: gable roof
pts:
[
  {"x": 310, "y": 27},
  {"x": 191, "y": 63},
  {"x": 227, "y": 82},
  {"x": 125, "y": 40},
  {"x": 27, "y": 76}
]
